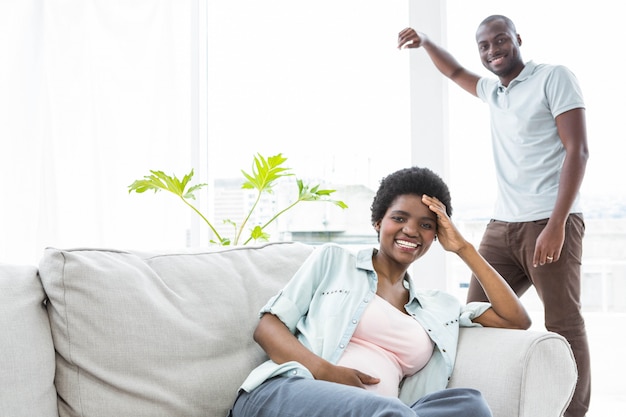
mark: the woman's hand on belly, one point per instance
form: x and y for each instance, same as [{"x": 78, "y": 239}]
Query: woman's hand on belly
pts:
[{"x": 346, "y": 376}]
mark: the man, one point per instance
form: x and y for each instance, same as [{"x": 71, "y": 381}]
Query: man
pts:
[{"x": 540, "y": 148}]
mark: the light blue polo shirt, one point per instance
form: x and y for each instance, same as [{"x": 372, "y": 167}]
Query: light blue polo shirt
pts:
[
  {"x": 324, "y": 301},
  {"x": 527, "y": 150}
]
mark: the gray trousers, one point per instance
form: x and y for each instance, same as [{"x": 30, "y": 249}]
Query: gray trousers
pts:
[{"x": 303, "y": 397}]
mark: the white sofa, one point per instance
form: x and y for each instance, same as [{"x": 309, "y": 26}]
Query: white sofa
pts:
[{"x": 94, "y": 332}]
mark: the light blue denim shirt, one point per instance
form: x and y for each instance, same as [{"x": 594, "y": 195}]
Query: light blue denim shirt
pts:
[{"x": 324, "y": 301}]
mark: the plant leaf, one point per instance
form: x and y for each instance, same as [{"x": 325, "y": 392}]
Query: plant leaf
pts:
[
  {"x": 259, "y": 235},
  {"x": 265, "y": 172},
  {"x": 314, "y": 193},
  {"x": 158, "y": 180}
]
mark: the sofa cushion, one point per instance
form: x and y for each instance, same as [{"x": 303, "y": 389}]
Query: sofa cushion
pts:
[
  {"x": 149, "y": 334},
  {"x": 27, "y": 359}
]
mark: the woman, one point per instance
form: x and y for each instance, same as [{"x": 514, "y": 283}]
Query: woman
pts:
[{"x": 349, "y": 329}]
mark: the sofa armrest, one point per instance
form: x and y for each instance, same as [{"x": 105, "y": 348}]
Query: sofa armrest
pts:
[
  {"x": 27, "y": 355},
  {"x": 520, "y": 373}
]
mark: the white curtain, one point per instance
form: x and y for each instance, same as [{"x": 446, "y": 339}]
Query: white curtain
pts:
[{"x": 93, "y": 95}]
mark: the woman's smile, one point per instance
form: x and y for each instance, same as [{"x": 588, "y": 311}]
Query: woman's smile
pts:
[{"x": 408, "y": 245}]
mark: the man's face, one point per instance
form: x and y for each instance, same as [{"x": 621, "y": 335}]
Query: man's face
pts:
[{"x": 498, "y": 47}]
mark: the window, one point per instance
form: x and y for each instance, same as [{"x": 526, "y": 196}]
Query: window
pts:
[
  {"x": 323, "y": 84},
  {"x": 578, "y": 35},
  {"x": 543, "y": 41}
]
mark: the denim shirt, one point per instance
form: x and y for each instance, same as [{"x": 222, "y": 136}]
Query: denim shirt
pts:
[{"x": 324, "y": 301}]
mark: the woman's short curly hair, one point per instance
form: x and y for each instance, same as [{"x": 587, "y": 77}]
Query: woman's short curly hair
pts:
[{"x": 414, "y": 180}]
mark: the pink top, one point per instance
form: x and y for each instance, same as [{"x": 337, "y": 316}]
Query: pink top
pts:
[{"x": 387, "y": 344}]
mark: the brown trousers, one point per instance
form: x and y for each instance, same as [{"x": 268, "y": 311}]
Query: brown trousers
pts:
[{"x": 509, "y": 248}]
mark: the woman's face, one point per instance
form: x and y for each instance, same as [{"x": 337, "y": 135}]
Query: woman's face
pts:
[{"x": 407, "y": 229}]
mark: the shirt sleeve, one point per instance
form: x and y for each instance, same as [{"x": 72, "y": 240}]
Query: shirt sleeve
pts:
[
  {"x": 292, "y": 303},
  {"x": 470, "y": 311},
  {"x": 563, "y": 91},
  {"x": 484, "y": 86}
]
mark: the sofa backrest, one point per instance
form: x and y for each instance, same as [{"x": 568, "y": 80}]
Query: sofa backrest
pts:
[{"x": 159, "y": 334}]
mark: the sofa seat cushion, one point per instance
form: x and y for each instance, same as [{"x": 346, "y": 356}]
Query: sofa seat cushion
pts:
[
  {"x": 150, "y": 334},
  {"x": 27, "y": 359}
]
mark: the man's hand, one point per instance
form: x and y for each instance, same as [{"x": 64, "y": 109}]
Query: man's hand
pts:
[
  {"x": 549, "y": 245},
  {"x": 409, "y": 38}
]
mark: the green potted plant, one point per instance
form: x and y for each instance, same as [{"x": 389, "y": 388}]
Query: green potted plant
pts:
[{"x": 262, "y": 178}]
